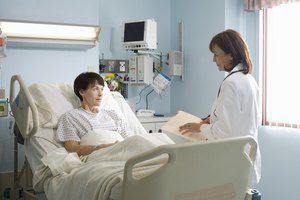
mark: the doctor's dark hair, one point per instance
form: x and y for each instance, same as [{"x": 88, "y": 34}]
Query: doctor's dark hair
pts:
[
  {"x": 84, "y": 80},
  {"x": 231, "y": 42}
]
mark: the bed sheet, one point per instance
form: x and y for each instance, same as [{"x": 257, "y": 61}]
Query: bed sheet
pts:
[
  {"x": 36, "y": 147},
  {"x": 101, "y": 176}
]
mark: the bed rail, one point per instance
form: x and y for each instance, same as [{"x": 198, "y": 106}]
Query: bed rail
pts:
[
  {"x": 23, "y": 108},
  {"x": 219, "y": 169}
]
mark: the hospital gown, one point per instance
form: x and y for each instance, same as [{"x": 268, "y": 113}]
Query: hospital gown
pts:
[{"x": 74, "y": 124}]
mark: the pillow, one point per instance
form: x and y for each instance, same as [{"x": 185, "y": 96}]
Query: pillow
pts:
[
  {"x": 54, "y": 99},
  {"x": 100, "y": 136},
  {"x": 129, "y": 116}
]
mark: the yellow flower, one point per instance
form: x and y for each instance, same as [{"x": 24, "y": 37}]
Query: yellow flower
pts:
[{"x": 110, "y": 76}]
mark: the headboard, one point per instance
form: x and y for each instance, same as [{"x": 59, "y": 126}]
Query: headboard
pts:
[{"x": 24, "y": 110}]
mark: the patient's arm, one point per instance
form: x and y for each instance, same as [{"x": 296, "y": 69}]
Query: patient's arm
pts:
[{"x": 81, "y": 150}]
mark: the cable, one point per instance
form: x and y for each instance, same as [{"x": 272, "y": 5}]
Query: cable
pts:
[
  {"x": 147, "y": 98},
  {"x": 156, "y": 69},
  {"x": 140, "y": 96}
]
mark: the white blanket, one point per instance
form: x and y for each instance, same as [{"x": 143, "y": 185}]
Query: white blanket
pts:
[
  {"x": 100, "y": 136},
  {"x": 60, "y": 161},
  {"x": 101, "y": 176}
]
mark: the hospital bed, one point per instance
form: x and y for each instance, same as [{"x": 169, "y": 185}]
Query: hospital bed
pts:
[{"x": 203, "y": 170}]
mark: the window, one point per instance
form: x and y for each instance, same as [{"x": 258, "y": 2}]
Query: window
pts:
[{"x": 281, "y": 65}]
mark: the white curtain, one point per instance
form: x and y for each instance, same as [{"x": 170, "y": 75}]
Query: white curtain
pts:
[{"x": 252, "y": 5}]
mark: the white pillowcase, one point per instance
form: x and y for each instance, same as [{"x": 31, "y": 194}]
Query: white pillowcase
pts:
[
  {"x": 53, "y": 100},
  {"x": 100, "y": 136}
]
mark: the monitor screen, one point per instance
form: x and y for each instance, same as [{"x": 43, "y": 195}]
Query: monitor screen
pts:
[{"x": 134, "y": 31}]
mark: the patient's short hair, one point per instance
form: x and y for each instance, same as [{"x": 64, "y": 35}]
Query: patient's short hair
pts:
[{"x": 84, "y": 80}]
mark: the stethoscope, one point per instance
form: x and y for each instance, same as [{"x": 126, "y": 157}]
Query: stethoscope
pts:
[{"x": 241, "y": 70}]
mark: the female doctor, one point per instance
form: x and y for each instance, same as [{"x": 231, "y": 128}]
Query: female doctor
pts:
[{"x": 235, "y": 111}]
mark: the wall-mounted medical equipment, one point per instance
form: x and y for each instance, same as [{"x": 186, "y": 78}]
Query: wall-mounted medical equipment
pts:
[
  {"x": 3, "y": 104},
  {"x": 160, "y": 83},
  {"x": 2, "y": 45},
  {"x": 3, "y": 101},
  {"x": 145, "y": 113},
  {"x": 141, "y": 69},
  {"x": 113, "y": 66},
  {"x": 176, "y": 59},
  {"x": 140, "y": 34},
  {"x": 45, "y": 35},
  {"x": 176, "y": 63}
]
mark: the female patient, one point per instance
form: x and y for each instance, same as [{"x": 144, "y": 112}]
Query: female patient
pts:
[{"x": 76, "y": 123}]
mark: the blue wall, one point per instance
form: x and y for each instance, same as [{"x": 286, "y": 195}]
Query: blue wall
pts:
[{"x": 201, "y": 76}]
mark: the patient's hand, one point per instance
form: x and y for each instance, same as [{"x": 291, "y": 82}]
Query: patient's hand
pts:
[
  {"x": 101, "y": 146},
  {"x": 81, "y": 150}
]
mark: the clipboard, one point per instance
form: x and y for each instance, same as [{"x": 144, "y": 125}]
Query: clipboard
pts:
[{"x": 181, "y": 118}]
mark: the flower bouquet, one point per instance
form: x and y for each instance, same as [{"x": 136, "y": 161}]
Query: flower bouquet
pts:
[{"x": 115, "y": 82}]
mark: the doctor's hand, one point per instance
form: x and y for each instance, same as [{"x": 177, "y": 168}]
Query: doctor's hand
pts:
[
  {"x": 192, "y": 130},
  {"x": 206, "y": 120},
  {"x": 190, "y": 127}
]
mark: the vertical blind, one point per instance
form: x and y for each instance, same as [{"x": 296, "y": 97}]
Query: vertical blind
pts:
[
  {"x": 281, "y": 68},
  {"x": 252, "y": 5}
]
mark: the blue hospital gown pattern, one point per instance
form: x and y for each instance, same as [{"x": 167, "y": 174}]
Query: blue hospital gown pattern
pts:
[{"x": 74, "y": 124}]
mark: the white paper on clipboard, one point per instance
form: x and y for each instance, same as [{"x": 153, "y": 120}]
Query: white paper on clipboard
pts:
[{"x": 181, "y": 118}]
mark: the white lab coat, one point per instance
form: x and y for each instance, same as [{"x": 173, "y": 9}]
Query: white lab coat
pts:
[{"x": 236, "y": 111}]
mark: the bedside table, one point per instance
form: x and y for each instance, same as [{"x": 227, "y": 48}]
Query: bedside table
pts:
[{"x": 153, "y": 124}]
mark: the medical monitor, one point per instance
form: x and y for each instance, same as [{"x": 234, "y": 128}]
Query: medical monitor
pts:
[{"x": 141, "y": 34}]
